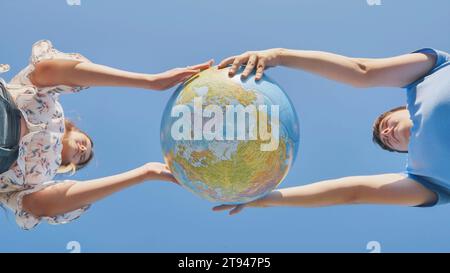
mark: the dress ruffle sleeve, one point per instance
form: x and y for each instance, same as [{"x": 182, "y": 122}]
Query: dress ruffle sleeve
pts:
[
  {"x": 27, "y": 221},
  {"x": 44, "y": 50}
]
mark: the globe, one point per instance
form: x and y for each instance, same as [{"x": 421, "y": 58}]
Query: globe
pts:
[{"x": 229, "y": 140}]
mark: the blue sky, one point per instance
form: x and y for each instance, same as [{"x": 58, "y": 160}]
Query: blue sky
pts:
[{"x": 335, "y": 120}]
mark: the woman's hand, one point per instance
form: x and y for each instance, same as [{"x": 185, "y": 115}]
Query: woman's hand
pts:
[
  {"x": 159, "y": 171},
  {"x": 175, "y": 76},
  {"x": 259, "y": 60}
]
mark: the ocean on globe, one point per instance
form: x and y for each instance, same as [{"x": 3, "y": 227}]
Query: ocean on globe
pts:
[{"x": 229, "y": 140}]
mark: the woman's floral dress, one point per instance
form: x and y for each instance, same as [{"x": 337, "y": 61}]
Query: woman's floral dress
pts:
[{"x": 40, "y": 149}]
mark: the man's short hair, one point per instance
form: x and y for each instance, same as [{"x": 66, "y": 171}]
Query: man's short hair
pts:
[{"x": 376, "y": 130}]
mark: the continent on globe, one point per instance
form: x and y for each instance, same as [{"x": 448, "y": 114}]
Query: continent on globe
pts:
[
  {"x": 220, "y": 140},
  {"x": 234, "y": 116}
]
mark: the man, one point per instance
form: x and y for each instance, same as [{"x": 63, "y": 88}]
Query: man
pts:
[{"x": 420, "y": 129}]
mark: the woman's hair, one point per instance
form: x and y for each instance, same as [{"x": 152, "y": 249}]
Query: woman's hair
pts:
[{"x": 71, "y": 167}]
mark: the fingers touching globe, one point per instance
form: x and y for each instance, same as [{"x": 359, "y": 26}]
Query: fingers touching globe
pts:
[
  {"x": 249, "y": 60},
  {"x": 168, "y": 176},
  {"x": 170, "y": 78},
  {"x": 234, "y": 209},
  {"x": 256, "y": 61},
  {"x": 202, "y": 66},
  {"x": 190, "y": 71},
  {"x": 159, "y": 171}
]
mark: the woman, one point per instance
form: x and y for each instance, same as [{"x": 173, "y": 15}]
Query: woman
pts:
[
  {"x": 50, "y": 144},
  {"x": 417, "y": 129}
]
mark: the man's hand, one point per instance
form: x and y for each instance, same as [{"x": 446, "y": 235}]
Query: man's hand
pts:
[
  {"x": 259, "y": 60},
  {"x": 235, "y": 209}
]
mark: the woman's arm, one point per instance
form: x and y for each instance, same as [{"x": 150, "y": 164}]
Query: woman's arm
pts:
[
  {"x": 74, "y": 73},
  {"x": 393, "y": 189},
  {"x": 71, "y": 195},
  {"x": 395, "y": 72}
]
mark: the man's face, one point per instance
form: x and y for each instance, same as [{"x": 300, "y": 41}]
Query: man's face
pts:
[{"x": 395, "y": 130}]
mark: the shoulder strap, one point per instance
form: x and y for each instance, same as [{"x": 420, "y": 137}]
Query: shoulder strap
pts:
[{"x": 10, "y": 129}]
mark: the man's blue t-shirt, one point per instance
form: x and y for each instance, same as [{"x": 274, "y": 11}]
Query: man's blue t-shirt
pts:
[{"x": 428, "y": 102}]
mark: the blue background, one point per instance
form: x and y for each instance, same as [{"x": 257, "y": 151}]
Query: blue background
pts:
[{"x": 335, "y": 120}]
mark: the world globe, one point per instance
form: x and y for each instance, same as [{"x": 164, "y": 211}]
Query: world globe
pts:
[{"x": 229, "y": 140}]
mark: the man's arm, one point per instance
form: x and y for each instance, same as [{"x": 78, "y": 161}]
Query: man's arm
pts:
[
  {"x": 359, "y": 72},
  {"x": 394, "y": 72},
  {"x": 390, "y": 189}
]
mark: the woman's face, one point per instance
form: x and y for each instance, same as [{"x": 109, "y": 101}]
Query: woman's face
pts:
[
  {"x": 77, "y": 148},
  {"x": 395, "y": 130}
]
